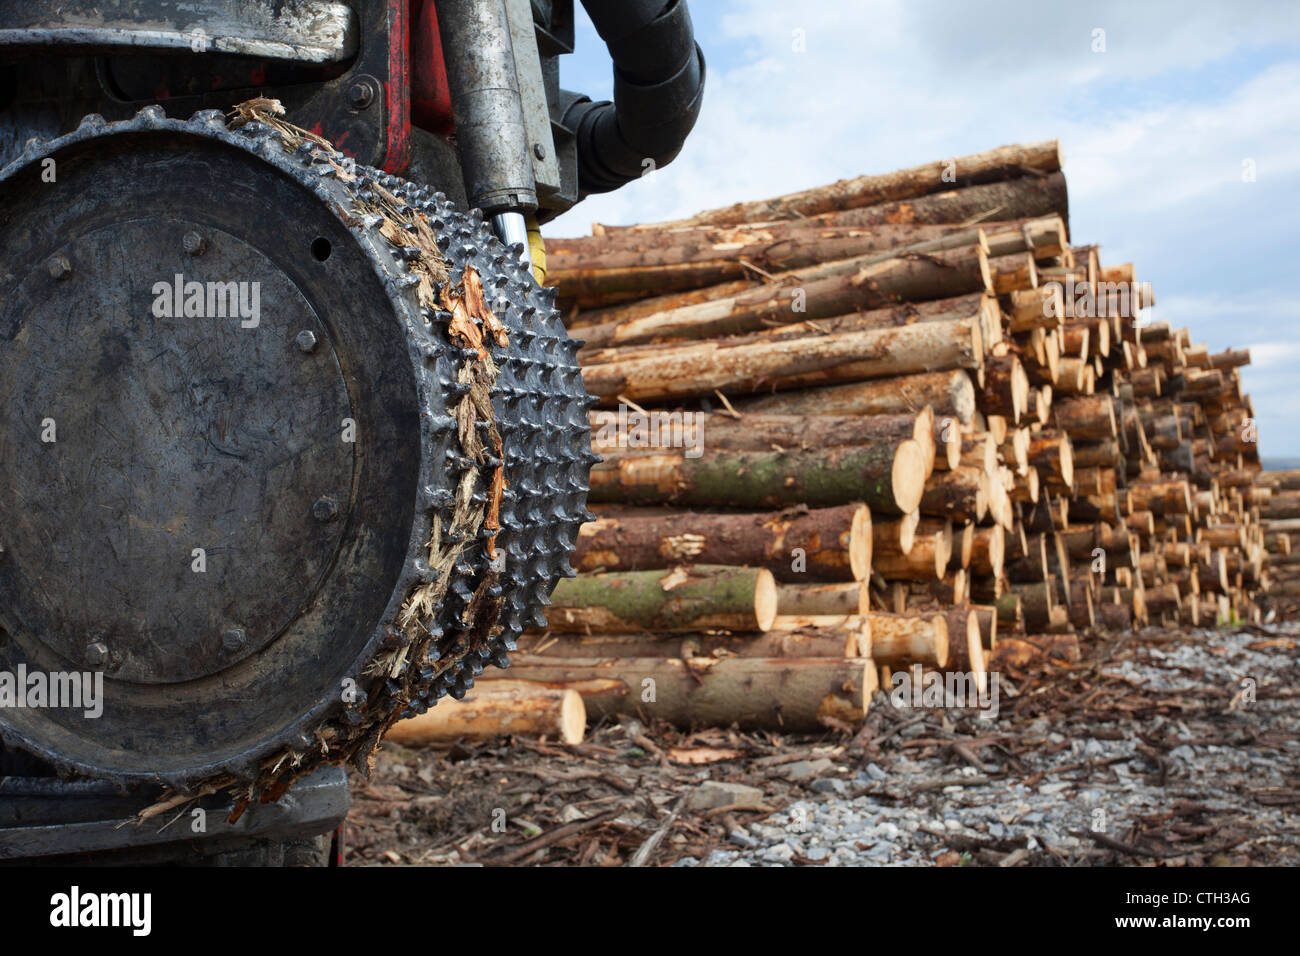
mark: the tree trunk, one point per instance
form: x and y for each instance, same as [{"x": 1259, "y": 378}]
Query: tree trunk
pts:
[
  {"x": 894, "y": 537},
  {"x": 1081, "y": 609},
  {"x": 696, "y": 598},
  {"x": 1035, "y": 650},
  {"x": 1044, "y": 236},
  {"x": 889, "y": 478},
  {"x": 755, "y": 693},
  {"x": 628, "y": 429},
  {"x": 1105, "y": 454},
  {"x": 800, "y": 325},
  {"x": 1040, "y": 308},
  {"x": 952, "y": 588},
  {"x": 1115, "y": 617},
  {"x": 849, "y": 597},
  {"x": 927, "y": 558},
  {"x": 961, "y": 495},
  {"x": 496, "y": 707},
  {"x": 1013, "y": 273},
  {"x": 688, "y": 370},
  {"x": 872, "y": 282},
  {"x": 1010, "y": 611},
  {"x": 1037, "y": 601},
  {"x": 622, "y": 312},
  {"x": 1075, "y": 377},
  {"x": 994, "y": 165},
  {"x": 1086, "y": 418},
  {"x": 988, "y": 550},
  {"x": 1166, "y": 497},
  {"x": 1052, "y": 454},
  {"x": 834, "y": 543},
  {"x": 1033, "y": 565},
  {"x": 986, "y": 616},
  {"x": 1018, "y": 199},
  {"x": 1006, "y": 388},
  {"x": 821, "y": 641},
  {"x": 900, "y": 639},
  {"x": 950, "y": 394},
  {"x": 596, "y": 269},
  {"x": 965, "y": 650},
  {"x": 1212, "y": 576}
]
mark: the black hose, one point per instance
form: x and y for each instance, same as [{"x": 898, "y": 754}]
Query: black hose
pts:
[{"x": 658, "y": 88}]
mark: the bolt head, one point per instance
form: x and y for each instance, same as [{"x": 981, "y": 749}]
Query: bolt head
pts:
[
  {"x": 306, "y": 340},
  {"x": 194, "y": 244},
  {"x": 325, "y": 509},
  {"x": 539, "y": 150},
  {"x": 361, "y": 94},
  {"x": 97, "y": 654},
  {"x": 59, "y": 266},
  {"x": 233, "y": 640}
]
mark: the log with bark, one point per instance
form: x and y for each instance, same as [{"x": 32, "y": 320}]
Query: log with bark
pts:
[
  {"x": 961, "y": 495},
  {"x": 890, "y": 478},
  {"x": 905, "y": 639},
  {"x": 927, "y": 558},
  {"x": 494, "y": 707},
  {"x": 1086, "y": 418},
  {"x": 754, "y": 693},
  {"x": 849, "y": 597},
  {"x": 894, "y": 536},
  {"x": 994, "y": 165},
  {"x": 1027, "y": 651},
  {"x": 699, "y": 369},
  {"x": 965, "y": 646},
  {"x": 684, "y": 598},
  {"x": 600, "y": 269},
  {"x": 949, "y": 393},
  {"x": 876, "y": 281},
  {"x": 700, "y": 433},
  {"x": 822, "y": 639},
  {"x": 796, "y": 545}
]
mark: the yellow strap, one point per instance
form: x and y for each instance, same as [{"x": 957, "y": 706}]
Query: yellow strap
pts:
[{"x": 537, "y": 250}]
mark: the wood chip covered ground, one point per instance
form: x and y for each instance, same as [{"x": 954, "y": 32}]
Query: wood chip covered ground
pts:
[{"x": 1142, "y": 753}]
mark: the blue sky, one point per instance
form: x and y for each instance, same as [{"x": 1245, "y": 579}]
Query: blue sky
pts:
[{"x": 1155, "y": 129}]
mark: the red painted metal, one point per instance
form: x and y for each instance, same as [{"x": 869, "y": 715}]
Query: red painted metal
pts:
[
  {"x": 397, "y": 89},
  {"x": 430, "y": 92}
]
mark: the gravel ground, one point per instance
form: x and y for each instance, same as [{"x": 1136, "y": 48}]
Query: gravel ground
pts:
[{"x": 1164, "y": 748}]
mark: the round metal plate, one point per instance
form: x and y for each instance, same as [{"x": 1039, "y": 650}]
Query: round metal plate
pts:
[
  {"x": 184, "y": 456},
  {"x": 194, "y": 433}
]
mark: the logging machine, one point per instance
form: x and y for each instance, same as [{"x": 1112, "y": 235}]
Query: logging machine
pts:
[{"x": 294, "y": 443}]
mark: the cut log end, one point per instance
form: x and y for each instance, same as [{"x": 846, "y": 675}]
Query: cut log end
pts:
[
  {"x": 765, "y": 599},
  {"x": 940, "y": 625},
  {"x": 908, "y": 476},
  {"x": 975, "y": 655},
  {"x": 860, "y": 543},
  {"x": 572, "y": 718}
]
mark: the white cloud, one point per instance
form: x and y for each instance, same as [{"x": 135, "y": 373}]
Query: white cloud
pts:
[{"x": 1269, "y": 356}]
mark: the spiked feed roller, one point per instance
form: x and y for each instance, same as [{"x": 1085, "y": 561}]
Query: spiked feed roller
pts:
[{"x": 292, "y": 448}]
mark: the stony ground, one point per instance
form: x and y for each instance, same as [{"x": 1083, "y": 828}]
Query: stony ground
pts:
[{"x": 1166, "y": 748}]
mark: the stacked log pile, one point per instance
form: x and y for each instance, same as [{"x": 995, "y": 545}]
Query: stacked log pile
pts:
[
  {"x": 1278, "y": 495},
  {"x": 895, "y": 422}
]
